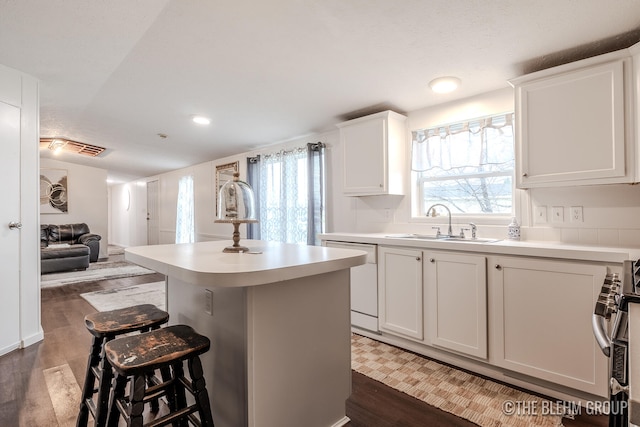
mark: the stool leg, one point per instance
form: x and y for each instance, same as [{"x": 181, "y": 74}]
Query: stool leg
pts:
[
  {"x": 117, "y": 393},
  {"x": 165, "y": 373},
  {"x": 104, "y": 387},
  {"x": 136, "y": 400},
  {"x": 181, "y": 399},
  {"x": 155, "y": 405},
  {"x": 200, "y": 392},
  {"x": 89, "y": 382}
]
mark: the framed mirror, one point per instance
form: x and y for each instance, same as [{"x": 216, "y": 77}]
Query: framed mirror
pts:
[{"x": 224, "y": 173}]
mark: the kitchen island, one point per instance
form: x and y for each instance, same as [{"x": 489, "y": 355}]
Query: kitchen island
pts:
[{"x": 278, "y": 320}]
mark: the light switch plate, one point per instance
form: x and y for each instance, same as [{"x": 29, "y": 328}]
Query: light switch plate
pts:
[
  {"x": 540, "y": 214},
  {"x": 557, "y": 214}
]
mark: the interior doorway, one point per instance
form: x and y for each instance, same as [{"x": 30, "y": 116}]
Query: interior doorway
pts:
[{"x": 153, "y": 229}]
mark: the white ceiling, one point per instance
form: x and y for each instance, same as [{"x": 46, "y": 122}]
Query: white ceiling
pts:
[{"x": 116, "y": 73}]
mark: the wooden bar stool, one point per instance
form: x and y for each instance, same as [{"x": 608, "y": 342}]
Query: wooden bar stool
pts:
[
  {"x": 105, "y": 326},
  {"x": 133, "y": 357}
]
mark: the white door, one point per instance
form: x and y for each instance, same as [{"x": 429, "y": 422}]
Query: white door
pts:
[
  {"x": 9, "y": 238},
  {"x": 153, "y": 231}
]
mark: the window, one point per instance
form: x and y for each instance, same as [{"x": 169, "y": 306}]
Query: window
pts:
[
  {"x": 289, "y": 190},
  {"x": 467, "y": 166},
  {"x": 185, "y": 224}
]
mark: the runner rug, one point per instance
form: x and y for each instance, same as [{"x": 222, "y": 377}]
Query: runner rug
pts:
[
  {"x": 476, "y": 399},
  {"x": 112, "y": 299}
]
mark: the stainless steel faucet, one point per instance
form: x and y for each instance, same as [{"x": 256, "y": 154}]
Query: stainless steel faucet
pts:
[{"x": 450, "y": 230}]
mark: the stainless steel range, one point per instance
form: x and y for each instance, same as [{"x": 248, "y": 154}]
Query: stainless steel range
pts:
[{"x": 618, "y": 290}]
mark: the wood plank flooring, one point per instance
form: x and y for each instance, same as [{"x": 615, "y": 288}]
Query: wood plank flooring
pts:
[{"x": 40, "y": 385}]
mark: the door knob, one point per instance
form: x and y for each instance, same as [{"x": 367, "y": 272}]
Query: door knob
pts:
[{"x": 15, "y": 225}]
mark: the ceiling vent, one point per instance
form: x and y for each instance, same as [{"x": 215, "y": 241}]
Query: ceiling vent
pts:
[{"x": 68, "y": 146}]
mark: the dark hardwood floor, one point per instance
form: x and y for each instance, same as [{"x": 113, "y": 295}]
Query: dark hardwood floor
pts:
[{"x": 40, "y": 385}]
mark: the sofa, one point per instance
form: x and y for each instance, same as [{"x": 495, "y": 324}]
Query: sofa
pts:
[{"x": 67, "y": 247}]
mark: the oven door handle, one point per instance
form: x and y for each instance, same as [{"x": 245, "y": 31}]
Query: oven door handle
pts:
[{"x": 598, "y": 324}]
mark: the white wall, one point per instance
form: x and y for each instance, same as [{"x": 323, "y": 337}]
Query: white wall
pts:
[
  {"x": 610, "y": 212},
  {"x": 87, "y": 199}
]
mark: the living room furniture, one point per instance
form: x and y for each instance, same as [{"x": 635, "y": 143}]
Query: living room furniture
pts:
[{"x": 67, "y": 247}]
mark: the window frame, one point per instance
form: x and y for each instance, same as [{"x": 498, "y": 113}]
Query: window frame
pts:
[{"x": 417, "y": 182}]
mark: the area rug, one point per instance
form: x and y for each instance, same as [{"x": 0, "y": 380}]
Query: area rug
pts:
[
  {"x": 113, "y": 268},
  {"x": 476, "y": 399},
  {"x": 112, "y": 299}
]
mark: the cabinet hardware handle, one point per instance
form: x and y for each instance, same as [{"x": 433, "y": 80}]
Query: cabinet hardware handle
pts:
[
  {"x": 417, "y": 258},
  {"x": 524, "y": 175},
  {"x": 498, "y": 267},
  {"x": 432, "y": 260}
]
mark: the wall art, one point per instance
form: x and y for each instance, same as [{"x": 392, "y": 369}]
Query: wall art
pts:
[{"x": 54, "y": 191}]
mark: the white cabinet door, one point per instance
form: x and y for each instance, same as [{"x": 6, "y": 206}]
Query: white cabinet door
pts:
[
  {"x": 374, "y": 154},
  {"x": 400, "y": 292},
  {"x": 541, "y": 324},
  {"x": 571, "y": 126},
  {"x": 457, "y": 302}
]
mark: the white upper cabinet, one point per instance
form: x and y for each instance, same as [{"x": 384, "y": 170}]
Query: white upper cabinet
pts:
[
  {"x": 574, "y": 123},
  {"x": 374, "y": 160}
]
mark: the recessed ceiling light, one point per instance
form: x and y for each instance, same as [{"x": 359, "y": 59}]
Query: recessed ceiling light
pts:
[
  {"x": 444, "y": 84},
  {"x": 201, "y": 120}
]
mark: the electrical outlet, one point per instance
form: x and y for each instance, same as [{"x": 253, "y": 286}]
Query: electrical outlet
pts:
[
  {"x": 557, "y": 214},
  {"x": 540, "y": 214},
  {"x": 576, "y": 214},
  {"x": 208, "y": 302}
]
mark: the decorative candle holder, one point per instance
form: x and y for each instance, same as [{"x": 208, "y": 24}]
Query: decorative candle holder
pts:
[{"x": 236, "y": 205}]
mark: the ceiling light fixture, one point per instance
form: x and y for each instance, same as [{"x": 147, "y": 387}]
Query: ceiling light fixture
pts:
[
  {"x": 444, "y": 84},
  {"x": 201, "y": 120},
  {"x": 56, "y": 145}
]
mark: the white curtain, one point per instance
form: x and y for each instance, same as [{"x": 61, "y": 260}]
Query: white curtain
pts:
[{"x": 185, "y": 223}]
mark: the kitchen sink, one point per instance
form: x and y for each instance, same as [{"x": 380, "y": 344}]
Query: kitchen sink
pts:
[
  {"x": 441, "y": 238},
  {"x": 470, "y": 240},
  {"x": 414, "y": 236}
]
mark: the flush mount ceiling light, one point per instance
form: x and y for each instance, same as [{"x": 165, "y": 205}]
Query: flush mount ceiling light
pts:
[
  {"x": 201, "y": 120},
  {"x": 59, "y": 145},
  {"x": 444, "y": 84}
]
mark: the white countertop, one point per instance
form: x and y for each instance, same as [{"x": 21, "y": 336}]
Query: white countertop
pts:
[
  {"x": 500, "y": 247},
  {"x": 205, "y": 263}
]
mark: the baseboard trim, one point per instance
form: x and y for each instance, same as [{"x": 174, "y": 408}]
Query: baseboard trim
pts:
[
  {"x": 343, "y": 422},
  {"x": 32, "y": 339}
]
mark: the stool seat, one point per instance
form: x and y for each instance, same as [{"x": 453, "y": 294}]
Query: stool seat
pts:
[
  {"x": 105, "y": 324},
  {"x": 136, "y": 354},
  {"x": 134, "y": 357}
]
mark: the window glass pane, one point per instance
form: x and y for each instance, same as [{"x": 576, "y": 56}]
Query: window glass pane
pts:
[{"x": 480, "y": 195}]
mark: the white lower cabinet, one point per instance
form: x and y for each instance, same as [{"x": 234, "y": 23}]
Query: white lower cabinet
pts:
[
  {"x": 400, "y": 290},
  {"x": 540, "y": 321},
  {"x": 456, "y": 309}
]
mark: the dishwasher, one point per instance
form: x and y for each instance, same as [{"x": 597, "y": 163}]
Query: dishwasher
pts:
[{"x": 364, "y": 286}]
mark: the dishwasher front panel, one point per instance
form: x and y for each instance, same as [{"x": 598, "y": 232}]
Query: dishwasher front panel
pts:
[{"x": 364, "y": 286}]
